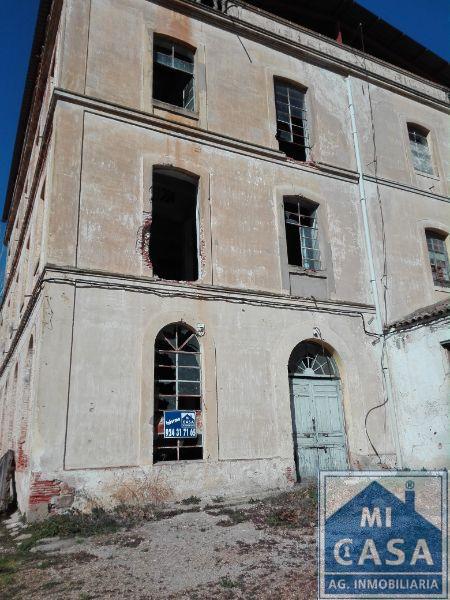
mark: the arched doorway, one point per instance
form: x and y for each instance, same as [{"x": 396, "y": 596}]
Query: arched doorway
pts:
[{"x": 317, "y": 415}]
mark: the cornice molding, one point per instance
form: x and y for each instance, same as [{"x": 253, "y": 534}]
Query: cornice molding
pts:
[
  {"x": 315, "y": 55},
  {"x": 84, "y": 278},
  {"x": 193, "y": 134}
]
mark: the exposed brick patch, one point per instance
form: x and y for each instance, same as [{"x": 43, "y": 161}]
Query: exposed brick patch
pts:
[
  {"x": 21, "y": 458},
  {"x": 202, "y": 251},
  {"x": 290, "y": 475},
  {"x": 53, "y": 493},
  {"x": 143, "y": 240},
  {"x": 43, "y": 490}
]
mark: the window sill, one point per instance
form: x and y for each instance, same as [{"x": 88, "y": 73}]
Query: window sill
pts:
[
  {"x": 178, "y": 462},
  {"x": 442, "y": 288},
  {"x": 178, "y": 110},
  {"x": 427, "y": 175},
  {"x": 307, "y": 272}
]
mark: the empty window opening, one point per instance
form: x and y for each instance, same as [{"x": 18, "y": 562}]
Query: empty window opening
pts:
[
  {"x": 437, "y": 251},
  {"x": 177, "y": 387},
  {"x": 173, "y": 244},
  {"x": 292, "y": 122},
  {"x": 221, "y": 5},
  {"x": 420, "y": 151},
  {"x": 446, "y": 346},
  {"x": 300, "y": 218},
  {"x": 173, "y": 74}
]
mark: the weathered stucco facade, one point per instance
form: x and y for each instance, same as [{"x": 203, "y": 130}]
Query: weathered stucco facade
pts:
[
  {"x": 82, "y": 307},
  {"x": 419, "y": 358}
]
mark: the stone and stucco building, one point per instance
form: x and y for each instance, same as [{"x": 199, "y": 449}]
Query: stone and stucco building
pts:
[{"x": 246, "y": 200}]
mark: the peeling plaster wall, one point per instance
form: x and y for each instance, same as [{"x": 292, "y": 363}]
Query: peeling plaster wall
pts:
[
  {"x": 421, "y": 377},
  {"x": 240, "y": 201},
  {"x": 406, "y": 216},
  {"x": 108, "y": 397}
]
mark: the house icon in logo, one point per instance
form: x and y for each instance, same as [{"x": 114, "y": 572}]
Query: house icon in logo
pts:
[
  {"x": 376, "y": 532},
  {"x": 188, "y": 419}
]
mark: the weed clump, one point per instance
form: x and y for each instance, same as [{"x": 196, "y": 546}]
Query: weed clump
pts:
[
  {"x": 71, "y": 524},
  {"x": 191, "y": 500}
]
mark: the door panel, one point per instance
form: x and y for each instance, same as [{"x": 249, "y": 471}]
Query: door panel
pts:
[{"x": 319, "y": 437}]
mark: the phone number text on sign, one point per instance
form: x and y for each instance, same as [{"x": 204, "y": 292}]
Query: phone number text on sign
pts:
[{"x": 183, "y": 432}]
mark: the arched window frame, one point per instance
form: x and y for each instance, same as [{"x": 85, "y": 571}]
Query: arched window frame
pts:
[
  {"x": 177, "y": 386},
  {"x": 175, "y": 59},
  {"x": 302, "y": 232},
  {"x": 311, "y": 359},
  {"x": 293, "y": 120},
  {"x": 438, "y": 256},
  {"x": 420, "y": 148},
  {"x": 149, "y": 233}
]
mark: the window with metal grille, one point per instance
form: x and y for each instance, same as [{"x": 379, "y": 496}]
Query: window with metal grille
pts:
[
  {"x": 177, "y": 387},
  {"x": 420, "y": 151},
  {"x": 173, "y": 74},
  {"x": 312, "y": 360},
  {"x": 437, "y": 251},
  {"x": 292, "y": 121},
  {"x": 300, "y": 218}
]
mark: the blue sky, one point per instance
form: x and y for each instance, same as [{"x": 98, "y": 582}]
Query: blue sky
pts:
[
  {"x": 17, "y": 20},
  {"x": 427, "y": 21}
]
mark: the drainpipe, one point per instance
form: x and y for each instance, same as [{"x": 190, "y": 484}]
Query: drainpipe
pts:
[{"x": 373, "y": 279}]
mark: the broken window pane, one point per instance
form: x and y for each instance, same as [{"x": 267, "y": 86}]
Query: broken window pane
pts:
[
  {"x": 292, "y": 122},
  {"x": 173, "y": 233},
  {"x": 301, "y": 233},
  {"x": 173, "y": 74},
  {"x": 437, "y": 251},
  {"x": 421, "y": 157},
  {"x": 185, "y": 382}
]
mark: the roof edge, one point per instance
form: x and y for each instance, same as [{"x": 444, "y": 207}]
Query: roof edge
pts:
[
  {"x": 421, "y": 316},
  {"x": 27, "y": 99}
]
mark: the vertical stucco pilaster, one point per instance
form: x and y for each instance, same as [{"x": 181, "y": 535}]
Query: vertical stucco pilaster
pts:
[
  {"x": 52, "y": 380},
  {"x": 76, "y": 21},
  {"x": 65, "y": 186}
]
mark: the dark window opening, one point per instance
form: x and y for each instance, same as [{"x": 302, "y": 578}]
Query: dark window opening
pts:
[
  {"x": 292, "y": 122},
  {"x": 173, "y": 235},
  {"x": 420, "y": 151},
  {"x": 437, "y": 252},
  {"x": 300, "y": 218},
  {"x": 221, "y": 5},
  {"x": 177, "y": 387},
  {"x": 173, "y": 74}
]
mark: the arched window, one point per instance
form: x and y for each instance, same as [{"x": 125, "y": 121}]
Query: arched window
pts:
[
  {"x": 438, "y": 255},
  {"x": 177, "y": 387},
  {"x": 173, "y": 243},
  {"x": 302, "y": 240},
  {"x": 420, "y": 150},
  {"x": 312, "y": 360},
  {"x": 173, "y": 73},
  {"x": 292, "y": 120}
]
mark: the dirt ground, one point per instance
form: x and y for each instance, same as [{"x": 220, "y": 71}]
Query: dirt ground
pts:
[{"x": 263, "y": 548}]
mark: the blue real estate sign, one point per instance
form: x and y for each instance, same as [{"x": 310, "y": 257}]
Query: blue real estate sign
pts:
[
  {"x": 383, "y": 535},
  {"x": 179, "y": 424}
]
